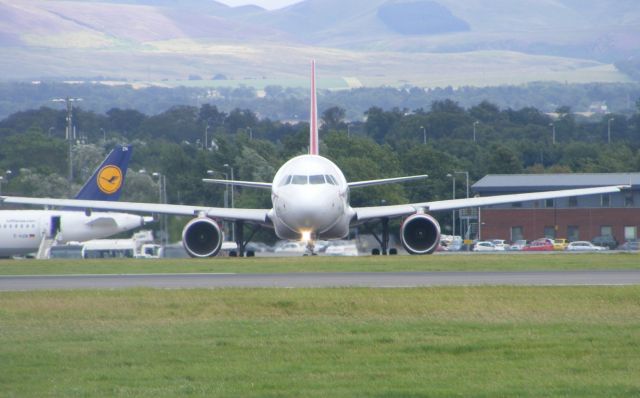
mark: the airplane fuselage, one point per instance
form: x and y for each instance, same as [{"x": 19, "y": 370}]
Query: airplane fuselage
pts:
[
  {"x": 21, "y": 231},
  {"x": 310, "y": 199}
]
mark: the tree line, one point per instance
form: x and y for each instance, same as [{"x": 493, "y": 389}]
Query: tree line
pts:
[{"x": 188, "y": 143}]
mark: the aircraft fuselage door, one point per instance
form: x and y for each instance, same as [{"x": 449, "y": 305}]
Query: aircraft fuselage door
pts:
[{"x": 54, "y": 226}]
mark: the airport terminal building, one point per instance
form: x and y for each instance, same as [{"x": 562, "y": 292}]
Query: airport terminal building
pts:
[{"x": 573, "y": 218}]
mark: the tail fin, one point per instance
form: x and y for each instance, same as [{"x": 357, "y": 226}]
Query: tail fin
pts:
[
  {"x": 107, "y": 181},
  {"x": 313, "y": 118}
]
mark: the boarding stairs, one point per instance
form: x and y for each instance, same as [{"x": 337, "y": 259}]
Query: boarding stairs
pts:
[{"x": 45, "y": 245}]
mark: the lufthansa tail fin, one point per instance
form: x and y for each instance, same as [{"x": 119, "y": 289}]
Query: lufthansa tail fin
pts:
[
  {"x": 313, "y": 115},
  {"x": 107, "y": 181}
]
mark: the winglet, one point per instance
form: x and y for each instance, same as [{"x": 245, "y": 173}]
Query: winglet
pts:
[
  {"x": 313, "y": 114},
  {"x": 107, "y": 181}
]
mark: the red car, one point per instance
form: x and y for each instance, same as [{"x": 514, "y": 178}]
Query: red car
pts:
[{"x": 539, "y": 245}]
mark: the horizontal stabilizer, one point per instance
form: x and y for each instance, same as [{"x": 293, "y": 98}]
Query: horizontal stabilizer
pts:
[
  {"x": 358, "y": 184},
  {"x": 250, "y": 184}
]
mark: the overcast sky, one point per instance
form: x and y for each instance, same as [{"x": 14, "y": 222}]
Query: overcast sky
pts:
[{"x": 268, "y": 4}]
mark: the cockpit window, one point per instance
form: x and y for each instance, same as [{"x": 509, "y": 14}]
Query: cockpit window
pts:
[
  {"x": 331, "y": 180},
  {"x": 299, "y": 180},
  {"x": 286, "y": 180},
  {"x": 316, "y": 179}
]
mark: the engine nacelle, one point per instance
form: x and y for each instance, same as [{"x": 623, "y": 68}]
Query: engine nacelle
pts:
[
  {"x": 202, "y": 237},
  {"x": 420, "y": 234}
]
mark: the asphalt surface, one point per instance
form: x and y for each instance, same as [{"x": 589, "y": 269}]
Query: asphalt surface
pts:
[{"x": 317, "y": 280}]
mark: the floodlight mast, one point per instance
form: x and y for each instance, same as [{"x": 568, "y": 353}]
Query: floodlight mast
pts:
[{"x": 70, "y": 132}]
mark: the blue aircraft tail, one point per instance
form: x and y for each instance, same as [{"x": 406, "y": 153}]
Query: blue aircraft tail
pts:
[{"x": 107, "y": 181}]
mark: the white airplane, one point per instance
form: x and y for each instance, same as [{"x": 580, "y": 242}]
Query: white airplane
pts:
[
  {"x": 23, "y": 231},
  {"x": 310, "y": 200}
]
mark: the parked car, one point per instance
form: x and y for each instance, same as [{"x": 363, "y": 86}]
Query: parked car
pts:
[
  {"x": 605, "y": 240},
  {"x": 584, "y": 246},
  {"x": 539, "y": 245},
  {"x": 290, "y": 247},
  {"x": 341, "y": 248},
  {"x": 630, "y": 245},
  {"x": 500, "y": 244},
  {"x": 484, "y": 246},
  {"x": 518, "y": 245},
  {"x": 560, "y": 244}
]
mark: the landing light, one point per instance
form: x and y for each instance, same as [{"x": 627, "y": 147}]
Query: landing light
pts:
[{"x": 306, "y": 236}]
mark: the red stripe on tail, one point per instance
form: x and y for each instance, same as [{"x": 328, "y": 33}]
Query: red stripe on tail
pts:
[{"x": 313, "y": 115}]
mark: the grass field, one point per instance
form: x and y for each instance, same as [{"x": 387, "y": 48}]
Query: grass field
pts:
[
  {"x": 500, "y": 262},
  {"x": 432, "y": 342}
]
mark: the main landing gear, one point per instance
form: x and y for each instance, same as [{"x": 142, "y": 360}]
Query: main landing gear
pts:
[
  {"x": 382, "y": 240},
  {"x": 241, "y": 243}
]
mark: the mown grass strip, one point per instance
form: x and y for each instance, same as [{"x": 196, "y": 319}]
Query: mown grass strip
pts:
[
  {"x": 474, "y": 341},
  {"x": 502, "y": 262}
]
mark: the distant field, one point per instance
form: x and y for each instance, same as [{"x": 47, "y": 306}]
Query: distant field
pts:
[
  {"x": 471, "y": 342},
  {"x": 477, "y": 262}
]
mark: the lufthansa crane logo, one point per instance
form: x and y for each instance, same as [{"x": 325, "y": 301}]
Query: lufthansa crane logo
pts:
[{"x": 109, "y": 179}]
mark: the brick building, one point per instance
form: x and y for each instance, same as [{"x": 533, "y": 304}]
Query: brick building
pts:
[{"x": 574, "y": 218}]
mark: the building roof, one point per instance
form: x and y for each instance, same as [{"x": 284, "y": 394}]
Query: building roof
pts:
[{"x": 548, "y": 182}]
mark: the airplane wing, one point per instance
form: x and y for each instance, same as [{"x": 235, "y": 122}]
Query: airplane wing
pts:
[
  {"x": 250, "y": 184},
  {"x": 251, "y": 215},
  {"x": 358, "y": 184},
  {"x": 367, "y": 213}
]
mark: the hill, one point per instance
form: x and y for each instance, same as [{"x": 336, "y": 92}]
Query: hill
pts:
[{"x": 392, "y": 42}]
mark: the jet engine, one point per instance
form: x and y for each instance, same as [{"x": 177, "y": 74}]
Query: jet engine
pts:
[
  {"x": 202, "y": 237},
  {"x": 420, "y": 234}
]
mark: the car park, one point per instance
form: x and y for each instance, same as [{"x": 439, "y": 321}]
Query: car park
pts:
[
  {"x": 517, "y": 245},
  {"x": 484, "y": 246},
  {"x": 630, "y": 245},
  {"x": 584, "y": 246},
  {"x": 606, "y": 241},
  {"x": 500, "y": 244},
  {"x": 560, "y": 244},
  {"x": 539, "y": 245}
]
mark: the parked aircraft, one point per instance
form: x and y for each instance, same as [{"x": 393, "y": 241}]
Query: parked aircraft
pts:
[
  {"x": 26, "y": 231},
  {"x": 310, "y": 200}
]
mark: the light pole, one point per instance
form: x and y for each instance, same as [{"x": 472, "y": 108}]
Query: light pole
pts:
[
  {"x": 162, "y": 198},
  {"x": 348, "y": 130},
  {"x": 609, "y": 129},
  {"x": 424, "y": 135},
  {"x": 70, "y": 133},
  {"x": 474, "y": 130},
  {"x": 206, "y": 137},
  {"x": 466, "y": 174},
  {"x": 233, "y": 226},
  {"x": 453, "y": 196},
  {"x": 250, "y": 133},
  {"x": 226, "y": 195},
  {"x": 553, "y": 132}
]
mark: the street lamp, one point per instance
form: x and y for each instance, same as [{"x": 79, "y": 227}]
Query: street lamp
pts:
[
  {"x": 226, "y": 196},
  {"x": 466, "y": 174},
  {"x": 424, "y": 135},
  {"x": 233, "y": 226},
  {"x": 609, "y": 129},
  {"x": 70, "y": 133},
  {"x": 162, "y": 198},
  {"x": 453, "y": 196},
  {"x": 553, "y": 132},
  {"x": 474, "y": 130}
]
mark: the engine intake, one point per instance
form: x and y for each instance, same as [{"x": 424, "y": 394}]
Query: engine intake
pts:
[
  {"x": 420, "y": 234},
  {"x": 202, "y": 237}
]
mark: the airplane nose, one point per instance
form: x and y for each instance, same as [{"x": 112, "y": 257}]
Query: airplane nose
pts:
[{"x": 313, "y": 210}]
